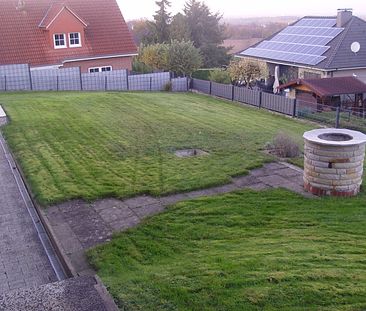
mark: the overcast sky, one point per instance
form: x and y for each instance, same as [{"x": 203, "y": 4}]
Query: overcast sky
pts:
[{"x": 133, "y": 9}]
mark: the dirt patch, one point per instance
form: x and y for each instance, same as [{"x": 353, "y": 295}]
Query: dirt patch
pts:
[{"x": 186, "y": 153}]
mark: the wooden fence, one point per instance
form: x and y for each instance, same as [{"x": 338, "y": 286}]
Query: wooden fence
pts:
[{"x": 259, "y": 99}]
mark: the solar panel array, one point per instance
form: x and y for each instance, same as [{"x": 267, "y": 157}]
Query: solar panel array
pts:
[
  {"x": 305, "y": 42},
  {"x": 317, "y": 22}
]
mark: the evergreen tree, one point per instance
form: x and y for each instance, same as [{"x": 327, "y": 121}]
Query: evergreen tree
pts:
[
  {"x": 207, "y": 33},
  {"x": 162, "y": 20},
  {"x": 179, "y": 28}
]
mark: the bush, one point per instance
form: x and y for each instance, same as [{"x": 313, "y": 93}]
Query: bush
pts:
[
  {"x": 220, "y": 76},
  {"x": 140, "y": 67},
  {"x": 202, "y": 74},
  {"x": 285, "y": 146},
  {"x": 168, "y": 86},
  {"x": 180, "y": 57}
]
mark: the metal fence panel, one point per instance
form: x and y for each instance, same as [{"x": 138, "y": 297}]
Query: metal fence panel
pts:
[
  {"x": 67, "y": 79},
  {"x": 105, "y": 81},
  {"x": 2, "y": 83},
  {"x": 93, "y": 82},
  {"x": 41, "y": 82},
  {"x": 222, "y": 90},
  {"x": 116, "y": 80},
  {"x": 15, "y": 77},
  {"x": 180, "y": 85},
  {"x": 137, "y": 83},
  {"x": 247, "y": 96},
  {"x": 316, "y": 112},
  {"x": 278, "y": 103},
  {"x": 149, "y": 81},
  {"x": 201, "y": 86}
]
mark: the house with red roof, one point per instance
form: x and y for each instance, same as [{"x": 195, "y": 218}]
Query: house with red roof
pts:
[{"x": 92, "y": 35}]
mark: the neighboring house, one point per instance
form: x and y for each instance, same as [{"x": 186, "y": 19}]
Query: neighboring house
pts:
[
  {"x": 88, "y": 34},
  {"x": 347, "y": 91},
  {"x": 315, "y": 47}
]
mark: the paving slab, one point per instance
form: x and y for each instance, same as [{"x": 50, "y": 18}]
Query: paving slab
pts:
[{"x": 89, "y": 224}]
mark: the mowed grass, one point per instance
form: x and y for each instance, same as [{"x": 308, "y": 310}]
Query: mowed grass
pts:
[
  {"x": 271, "y": 250},
  {"x": 92, "y": 145}
]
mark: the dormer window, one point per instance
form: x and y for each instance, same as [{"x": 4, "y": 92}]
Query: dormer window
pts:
[
  {"x": 59, "y": 40},
  {"x": 74, "y": 39}
]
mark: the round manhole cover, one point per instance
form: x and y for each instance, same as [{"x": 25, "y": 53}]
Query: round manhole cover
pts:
[{"x": 185, "y": 153}]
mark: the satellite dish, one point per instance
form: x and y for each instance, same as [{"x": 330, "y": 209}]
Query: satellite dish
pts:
[{"x": 355, "y": 47}]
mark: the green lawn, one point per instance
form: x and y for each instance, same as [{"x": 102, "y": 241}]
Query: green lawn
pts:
[
  {"x": 91, "y": 145},
  {"x": 271, "y": 250}
]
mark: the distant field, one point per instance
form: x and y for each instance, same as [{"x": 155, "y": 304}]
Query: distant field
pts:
[
  {"x": 247, "y": 251},
  {"x": 91, "y": 145},
  {"x": 239, "y": 45}
]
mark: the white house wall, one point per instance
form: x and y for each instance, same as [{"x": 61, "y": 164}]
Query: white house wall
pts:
[{"x": 359, "y": 73}]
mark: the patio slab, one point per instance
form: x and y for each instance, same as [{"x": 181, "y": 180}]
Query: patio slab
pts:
[{"x": 79, "y": 225}]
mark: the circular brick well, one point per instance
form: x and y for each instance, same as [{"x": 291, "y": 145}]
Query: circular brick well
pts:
[{"x": 333, "y": 161}]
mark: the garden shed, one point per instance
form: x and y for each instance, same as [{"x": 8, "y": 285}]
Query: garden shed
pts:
[{"x": 346, "y": 91}]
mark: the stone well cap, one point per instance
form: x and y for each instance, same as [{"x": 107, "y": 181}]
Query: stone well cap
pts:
[{"x": 319, "y": 136}]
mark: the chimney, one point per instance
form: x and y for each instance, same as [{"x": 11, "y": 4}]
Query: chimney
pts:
[{"x": 343, "y": 17}]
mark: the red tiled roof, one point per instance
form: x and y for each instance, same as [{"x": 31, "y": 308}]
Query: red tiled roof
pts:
[
  {"x": 330, "y": 86},
  {"x": 52, "y": 13},
  {"x": 23, "y": 41}
]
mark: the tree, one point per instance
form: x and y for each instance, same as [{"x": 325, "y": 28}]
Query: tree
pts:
[
  {"x": 143, "y": 31},
  {"x": 207, "y": 33},
  {"x": 179, "y": 28},
  {"x": 162, "y": 20},
  {"x": 183, "y": 58},
  {"x": 154, "y": 55},
  {"x": 246, "y": 71},
  {"x": 180, "y": 57}
]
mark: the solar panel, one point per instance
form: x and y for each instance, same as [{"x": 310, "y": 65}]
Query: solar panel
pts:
[
  {"x": 317, "y": 22},
  {"x": 305, "y": 42},
  {"x": 300, "y": 39},
  {"x": 293, "y": 47},
  {"x": 312, "y": 31},
  {"x": 285, "y": 56}
]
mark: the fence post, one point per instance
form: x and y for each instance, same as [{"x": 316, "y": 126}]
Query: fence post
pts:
[
  {"x": 260, "y": 100},
  {"x": 127, "y": 84},
  {"x": 337, "y": 117},
  {"x": 30, "y": 79},
  {"x": 105, "y": 83},
  {"x": 232, "y": 92},
  {"x": 56, "y": 83},
  {"x": 5, "y": 83},
  {"x": 210, "y": 87},
  {"x": 150, "y": 83},
  {"x": 81, "y": 79},
  {"x": 295, "y": 108}
]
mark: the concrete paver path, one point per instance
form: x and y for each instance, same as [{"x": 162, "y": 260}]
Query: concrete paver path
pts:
[
  {"x": 23, "y": 259},
  {"x": 78, "y": 225}
]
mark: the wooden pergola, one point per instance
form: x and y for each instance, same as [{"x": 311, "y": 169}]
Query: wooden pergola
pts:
[{"x": 329, "y": 91}]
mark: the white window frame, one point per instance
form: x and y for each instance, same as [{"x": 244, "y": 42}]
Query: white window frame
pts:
[
  {"x": 100, "y": 69},
  {"x": 74, "y": 45},
  {"x": 54, "y": 41}
]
